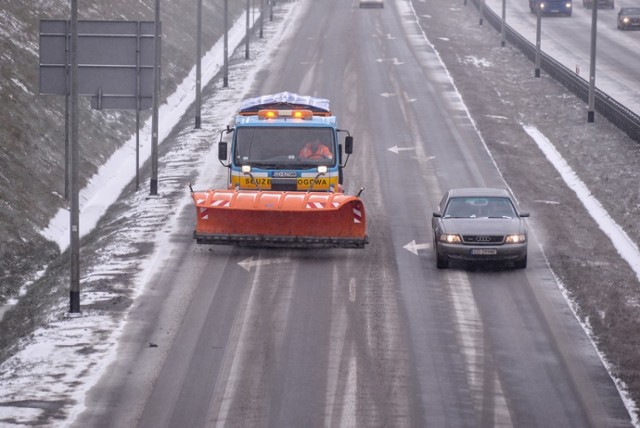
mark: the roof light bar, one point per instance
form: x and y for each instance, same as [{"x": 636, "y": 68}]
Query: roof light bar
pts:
[{"x": 304, "y": 114}]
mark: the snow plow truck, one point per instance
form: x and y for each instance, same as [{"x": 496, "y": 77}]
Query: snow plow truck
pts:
[{"x": 285, "y": 165}]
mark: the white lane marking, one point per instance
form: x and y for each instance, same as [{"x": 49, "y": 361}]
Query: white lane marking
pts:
[
  {"x": 470, "y": 330},
  {"x": 337, "y": 332},
  {"x": 233, "y": 360},
  {"x": 408, "y": 98},
  {"x": 242, "y": 339},
  {"x": 350, "y": 395},
  {"x": 352, "y": 289}
]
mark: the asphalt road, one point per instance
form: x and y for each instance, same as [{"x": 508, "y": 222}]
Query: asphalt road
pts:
[
  {"x": 568, "y": 40},
  {"x": 374, "y": 337}
]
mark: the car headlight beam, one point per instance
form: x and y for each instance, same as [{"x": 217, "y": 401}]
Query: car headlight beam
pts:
[
  {"x": 516, "y": 239},
  {"x": 450, "y": 238}
]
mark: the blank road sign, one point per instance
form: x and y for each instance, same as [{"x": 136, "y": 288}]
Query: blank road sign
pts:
[{"x": 115, "y": 61}]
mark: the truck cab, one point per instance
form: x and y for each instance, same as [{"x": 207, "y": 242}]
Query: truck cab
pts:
[{"x": 285, "y": 142}]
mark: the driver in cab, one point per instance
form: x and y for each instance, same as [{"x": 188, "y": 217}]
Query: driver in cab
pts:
[{"x": 315, "y": 150}]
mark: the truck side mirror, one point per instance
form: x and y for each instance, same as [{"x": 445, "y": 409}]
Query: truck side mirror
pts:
[
  {"x": 348, "y": 144},
  {"x": 222, "y": 150}
]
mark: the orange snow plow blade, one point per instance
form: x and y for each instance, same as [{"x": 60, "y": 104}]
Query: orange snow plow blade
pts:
[{"x": 279, "y": 219}]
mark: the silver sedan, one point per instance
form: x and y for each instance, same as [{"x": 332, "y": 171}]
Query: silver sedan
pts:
[{"x": 479, "y": 224}]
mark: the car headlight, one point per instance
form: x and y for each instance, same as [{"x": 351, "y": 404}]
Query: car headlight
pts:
[
  {"x": 516, "y": 239},
  {"x": 625, "y": 20},
  {"x": 450, "y": 238}
]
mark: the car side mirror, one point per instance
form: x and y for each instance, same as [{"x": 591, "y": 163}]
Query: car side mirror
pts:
[
  {"x": 524, "y": 214},
  {"x": 222, "y": 150},
  {"x": 348, "y": 144},
  {"x": 437, "y": 214}
]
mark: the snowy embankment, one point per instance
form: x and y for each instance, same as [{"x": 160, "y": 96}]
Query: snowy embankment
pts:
[{"x": 49, "y": 378}]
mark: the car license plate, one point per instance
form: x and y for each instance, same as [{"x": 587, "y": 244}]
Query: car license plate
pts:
[{"x": 484, "y": 251}]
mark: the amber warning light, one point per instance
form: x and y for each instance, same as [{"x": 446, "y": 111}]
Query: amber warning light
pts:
[{"x": 295, "y": 114}]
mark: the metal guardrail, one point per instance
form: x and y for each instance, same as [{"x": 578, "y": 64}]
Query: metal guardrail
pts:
[{"x": 622, "y": 117}]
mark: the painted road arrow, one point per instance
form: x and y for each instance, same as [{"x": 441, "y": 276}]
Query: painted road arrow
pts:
[
  {"x": 248, "y": 263},
  {"x": 413, "y": 247},
  {"x": 394, "y": 60},
  {"x": 396, "y": 149}
]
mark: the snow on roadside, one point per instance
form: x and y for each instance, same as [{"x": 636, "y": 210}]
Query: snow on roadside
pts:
[
  {"x": 627, "y": 249},
  {"x": 105, "y": 186},
  {"x": 49, "y": 378}
]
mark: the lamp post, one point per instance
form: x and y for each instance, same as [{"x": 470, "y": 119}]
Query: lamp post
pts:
[
  {"x": 225, "y": 77},
  {"x": 592, "y": 67},
  {"x": 538, "y": 37},
  {"x": 153, "y": 191},
  {"x": 504, "y": 23},
  {"x": 261, "y": 19},
  {"x": 199, "y": 65},
  {"x": 246, "y": 39},
  {"x": 74, "y": 229}
]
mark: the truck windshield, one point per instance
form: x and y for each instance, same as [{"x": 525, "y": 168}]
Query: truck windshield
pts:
[{"x": 284, "y": 147}]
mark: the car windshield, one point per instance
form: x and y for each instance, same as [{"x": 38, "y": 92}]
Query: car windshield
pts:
[
  {"x": 476, "y": 207},
  {"x": 631, "y": 11},
  {"x": 284, "y": 147}
]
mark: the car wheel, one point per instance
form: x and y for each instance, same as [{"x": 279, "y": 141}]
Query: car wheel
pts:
[
  {"x": 521, "y": 263},
  {"x": 442, "y": 262}
]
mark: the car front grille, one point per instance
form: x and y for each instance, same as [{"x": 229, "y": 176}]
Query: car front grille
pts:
[{"x": 483, "y": 239}]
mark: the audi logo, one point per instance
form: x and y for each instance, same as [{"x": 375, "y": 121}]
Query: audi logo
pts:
[{"x": 483, "y": 238}]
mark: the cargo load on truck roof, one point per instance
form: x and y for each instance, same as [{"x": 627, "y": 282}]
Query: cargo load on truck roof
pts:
[{"x": 284, "y": 100}]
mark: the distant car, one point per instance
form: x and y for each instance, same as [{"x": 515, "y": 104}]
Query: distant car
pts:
[
  {"x": 552, "y": 7},
  {"x": 479, "y": 224},
  {"x": 629, "y": 17},
  {"x": 371, "y": 4},
  {"x": 610, "y": 4}
]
